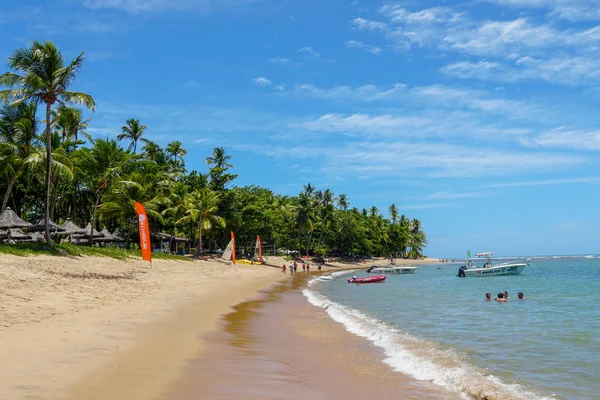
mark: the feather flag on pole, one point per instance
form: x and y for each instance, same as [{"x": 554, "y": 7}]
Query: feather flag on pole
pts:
[{"x": 145, "y": 244}]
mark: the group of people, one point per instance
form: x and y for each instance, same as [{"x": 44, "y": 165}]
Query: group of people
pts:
[
  {"x": 293, "y": 267},
  {"x": 502, "y": 297}
]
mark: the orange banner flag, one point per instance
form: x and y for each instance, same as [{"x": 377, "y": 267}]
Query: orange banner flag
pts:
[
  {"x": 233, "y": 248},
  {"x": 259, "y": 244},
  {"x": 145, "y": 243}
]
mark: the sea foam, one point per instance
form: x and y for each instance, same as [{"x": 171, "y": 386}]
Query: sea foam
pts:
[{"x": 421, "y": 359}]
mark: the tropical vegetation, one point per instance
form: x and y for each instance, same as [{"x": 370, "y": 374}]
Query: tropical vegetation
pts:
[{"x": 51, "y": 167}]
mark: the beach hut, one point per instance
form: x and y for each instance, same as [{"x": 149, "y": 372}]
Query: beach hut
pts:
[
  {"x": 9, "y": 220},
  {"x": 18, "y": 235},
  {"x": 41, "y": 226},
  {"x": 106, "y": 237},
  {"x": 71, "y": 228},
  {"x": 88, "y": 231},
  {"x": 118, "y": 237}
]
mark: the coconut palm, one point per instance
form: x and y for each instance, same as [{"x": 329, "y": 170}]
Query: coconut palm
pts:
[
  {"x": 41, "y": 76},
  {"x": 201, "y": 206},
  {"x": 219, "y": 159},
  {"x": 394, "y": 213},
  {"x": 18, "y": 132},
  {"x": 176, "y": 151},
  {"x": 69, "y": 123},
  {"x": 133, "y": 131},
  {"x": 103, "y": 164},
  {"x": 342, "y": 202}
]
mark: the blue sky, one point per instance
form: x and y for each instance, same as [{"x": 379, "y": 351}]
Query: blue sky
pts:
[{"x": 477, "y": 117}]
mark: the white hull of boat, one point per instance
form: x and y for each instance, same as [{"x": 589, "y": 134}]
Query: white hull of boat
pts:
[
  {"x": 497, "y": 270},
  {"x": 394, "y": 270}
]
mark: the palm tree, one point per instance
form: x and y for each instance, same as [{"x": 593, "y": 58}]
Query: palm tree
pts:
[
  {"x": 219, "y": 159},
  {"x": 176, "y": 196},
  {"x": 176, "y": 151},
  {"x": 394, "y": 213},
  {"x": 103, "y": 163},
  {"x": 69, "y": 123},
  {"x": 18, "y": 131},
  {"x": 306, "y": 217},
  {"x": 202, "y": 207},
  {"x": 342, "y": 202},
  {"x": 133, "y": 131},
  {"x": 42, "y": 77}
]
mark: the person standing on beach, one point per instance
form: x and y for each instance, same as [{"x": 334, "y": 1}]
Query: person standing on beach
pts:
[
  {"x": 303, "y": 267},
  {"x": 283, "y": 269},
  {"x": 295, "y": 267},
  {"x": 307, "y": 267},
  {"x": 291, "y": 269},
  {"x": 319, "y": 267}
]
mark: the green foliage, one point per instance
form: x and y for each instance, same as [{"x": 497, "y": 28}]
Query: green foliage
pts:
[{"x": 71, "y": 175}]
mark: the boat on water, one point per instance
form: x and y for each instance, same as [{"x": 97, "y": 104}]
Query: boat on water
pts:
[
  {"x": 488, "y": 269},
  {"x": 393, "y": 269},
  {"x": 367, "y": 279}
]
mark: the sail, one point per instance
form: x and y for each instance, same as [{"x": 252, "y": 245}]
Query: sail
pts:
[
  {"x": 258, "y": 250},
  {"x": 227, "y": 253}
]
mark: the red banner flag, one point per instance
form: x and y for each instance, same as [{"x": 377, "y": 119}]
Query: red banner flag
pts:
[{"x": 144, "y": 229}]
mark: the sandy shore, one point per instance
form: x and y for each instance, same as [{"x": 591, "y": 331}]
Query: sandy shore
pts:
[
  {"x": 281, "y": 347},
  {"x": 99, "y": 328}
]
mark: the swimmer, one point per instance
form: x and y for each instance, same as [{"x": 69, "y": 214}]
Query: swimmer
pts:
[
  {"x": 488, "y": 297},
  {"x": 520, "y": 296},
  {"x": 500, "y": 298}
]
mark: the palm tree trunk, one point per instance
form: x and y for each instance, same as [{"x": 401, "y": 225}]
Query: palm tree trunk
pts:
[
  {"x": 199, "y": 247},
  {"x": 54, "y": 198},
  {"x": 11, "y": 183},
  {"x": 98, "y": 198},
  {"x": 48, "y": 173},
  {"x": 308, "y": 242}
]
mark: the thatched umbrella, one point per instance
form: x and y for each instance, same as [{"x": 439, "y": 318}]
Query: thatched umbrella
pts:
[
  {"x": 117, "y": 235},
  {"x": 18, "y": 235},
  {"x": 9, "y": 219},
  {"x": 35, "y": 237},
  {"x": 88, "y": 231},
  {"x": 106, "y": 236},
  {"x": 41, "y": 226},
  {"x": 71, "y": 228}
]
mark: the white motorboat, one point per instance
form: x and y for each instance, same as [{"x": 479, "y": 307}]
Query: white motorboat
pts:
[
  {"x": 393, "y": 269},
  {"x": 488, "y": 269}
]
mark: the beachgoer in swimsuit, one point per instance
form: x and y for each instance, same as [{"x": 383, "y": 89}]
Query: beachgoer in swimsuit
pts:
[
  {"x": 500, "y": 298},
  {"x": 488, "y": 297},
  {"x": 520, "y": 296}
]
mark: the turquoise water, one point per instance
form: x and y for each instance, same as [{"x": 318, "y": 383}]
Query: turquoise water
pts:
[{"x": 435, "y": 326}]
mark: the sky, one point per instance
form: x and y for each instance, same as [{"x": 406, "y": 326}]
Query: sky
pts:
[{"x": 477, "y": 117}]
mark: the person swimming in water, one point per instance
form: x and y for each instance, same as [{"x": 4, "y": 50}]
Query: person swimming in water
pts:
[
  {"x": 488, "y": 297},
  {"x": 500, "y": 298},
  {"x": 520, "y": 296},
  {"x": 506, "y": 295}
]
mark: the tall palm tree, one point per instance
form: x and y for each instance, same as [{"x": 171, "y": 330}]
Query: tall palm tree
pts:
[
  {"x": 103, "y": 164},
  {"x": 133, "y": 131},
  {"x": 306, "y": 217},
  {"x": 394, "y": 213},
  {"x": 176, "y": 151},
  {"x": 69, "y": 123},
  {"x": 342, "y": 202},
  {"x": 219, "y": 159},
  {"x": 41, "y": 76},
  {"x": 202, "y": 207},
  {"x": 18, "y": 132}
]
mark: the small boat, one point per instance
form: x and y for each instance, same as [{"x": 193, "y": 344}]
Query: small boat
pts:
[
  {"x": 393, "y": 269},
  {"x": 367, "y": 279},
  {"x": 488, "y": 269}
]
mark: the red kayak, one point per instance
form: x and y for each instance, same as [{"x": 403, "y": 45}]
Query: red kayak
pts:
[{"x": 367, "y": 279}]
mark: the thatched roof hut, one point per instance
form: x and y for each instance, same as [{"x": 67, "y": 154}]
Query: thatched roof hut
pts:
[
  {"x": 9, "y": 219},
  {"x": 41, "y": 226},
  {"x": 71, "y": 228}
]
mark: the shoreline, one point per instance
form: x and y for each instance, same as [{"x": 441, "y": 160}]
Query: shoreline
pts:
[
  {"x": 279, "y": 346},
  {"x": 99, "y": 328}
]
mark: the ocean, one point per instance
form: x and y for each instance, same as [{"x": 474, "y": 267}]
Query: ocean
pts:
[{"x": 434, "y": 326}]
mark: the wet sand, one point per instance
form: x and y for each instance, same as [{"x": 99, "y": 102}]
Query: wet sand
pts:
[{"x": 281, "y": 347}]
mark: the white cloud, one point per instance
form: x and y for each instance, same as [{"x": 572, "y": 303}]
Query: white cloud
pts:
[
  {"x": 280, "y": 88},
  {"x": 448, "y": 195},
  {"x": 366, "y": 47},
  {"x": 573, "y": 10},
  {"x": 281, "y": 61},
  {"x": 306, "y": 49},
  {"x": 566, "y": 139},
  {"x": 546, "y": 182},
  {"x": 146, "y": 6},
  {"x": 343, "y": 92},
  {"x": 367, "y": 25},
  {"x": 262, "y": 81}
]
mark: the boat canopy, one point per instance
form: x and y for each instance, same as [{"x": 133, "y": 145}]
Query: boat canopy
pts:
[{"x": 486, "y": 254}]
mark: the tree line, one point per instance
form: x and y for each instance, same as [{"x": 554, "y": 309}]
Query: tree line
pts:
[{"x": 52, "y": 168}]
